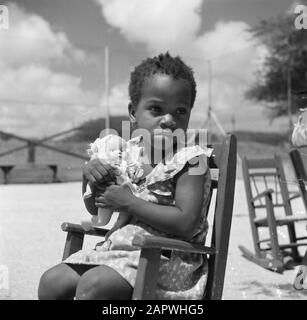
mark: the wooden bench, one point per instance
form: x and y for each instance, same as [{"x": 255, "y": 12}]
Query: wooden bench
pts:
[{"x": 7, "y": 168}]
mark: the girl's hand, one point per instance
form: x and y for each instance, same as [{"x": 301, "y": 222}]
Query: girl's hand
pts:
[
  {"x": 97, "y": 171},
  {"x": 115, "y": 197}
]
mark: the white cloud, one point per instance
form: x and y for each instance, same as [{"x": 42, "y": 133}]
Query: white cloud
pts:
[
  {"x": 118, "y": 99},
  {"x": 156, "y": 23},
  {"x": 175, "y": 26},
  {"x": 40, "y": 84},
  {"x": 30, "y": 39},
  {"x": 34, "y": 98},
  {"x": 37, "y": 101}
]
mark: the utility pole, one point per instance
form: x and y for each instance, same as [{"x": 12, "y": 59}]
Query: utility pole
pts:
[
  {"x": 107, "y": 114},
  {"x": 233, "y": 122},
  {"x": 289, "y": 83},
  {"x": 289, "y": 97},
  {"x": 209, "y": 100}
]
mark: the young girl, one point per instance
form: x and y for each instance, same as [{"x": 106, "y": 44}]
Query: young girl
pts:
[{"x": 162, "y": 92}]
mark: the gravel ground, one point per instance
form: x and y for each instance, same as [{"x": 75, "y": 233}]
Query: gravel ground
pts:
[{"x": 31, "y": 241}]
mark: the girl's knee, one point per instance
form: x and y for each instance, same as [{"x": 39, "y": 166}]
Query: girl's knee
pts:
[
  {"x": 89, "y": 287},
  {"x": 102, "y": 283},
  {"x": 55, "y": 284},
  {"x": 46, "y": 288}
]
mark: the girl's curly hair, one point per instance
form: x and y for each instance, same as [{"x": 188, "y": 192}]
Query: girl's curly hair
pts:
[{"x": 164, "y": 64}]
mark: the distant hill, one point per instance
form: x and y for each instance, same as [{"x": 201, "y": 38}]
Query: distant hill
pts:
[{"x": 90, "y": 129}]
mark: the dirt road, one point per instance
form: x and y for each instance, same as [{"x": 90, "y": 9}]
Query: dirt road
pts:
[{"x": 31, "y": 241}]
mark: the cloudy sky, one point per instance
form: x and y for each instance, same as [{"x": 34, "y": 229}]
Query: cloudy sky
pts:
[{"x": 52, "y": 57}]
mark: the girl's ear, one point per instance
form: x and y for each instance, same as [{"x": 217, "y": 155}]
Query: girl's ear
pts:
[{"x": 132, "y": 111}]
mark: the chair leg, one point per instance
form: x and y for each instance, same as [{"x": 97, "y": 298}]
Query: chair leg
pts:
[
  {"x": 276, "y": 252},
  {"x": 74, "y": 242},
  {"x": 276, "y": 262},
  {"x": 147, "y": 275},
  {"x": 292, "y": 237},
  {"x": 255, "y": 235}
]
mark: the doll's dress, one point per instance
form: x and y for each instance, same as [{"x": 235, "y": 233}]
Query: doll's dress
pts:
[{"x": 182, "y": 275}]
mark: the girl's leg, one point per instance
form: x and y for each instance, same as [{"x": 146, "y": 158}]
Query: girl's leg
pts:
[
  {"x": 103, "y": 283},
  {"x": 60, "y": 282}
]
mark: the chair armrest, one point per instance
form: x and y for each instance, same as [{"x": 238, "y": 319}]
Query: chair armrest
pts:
[
  {"x": 73, "y": 227},
  {"x": 263, "y": 194},
  {"x": 294, "y": 196},
  {"x": 151, "y": 249},
  {"x": 145, "y": 241}
]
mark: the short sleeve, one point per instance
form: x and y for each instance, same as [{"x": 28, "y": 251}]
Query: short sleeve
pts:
[{"x": 195, "y": 156}]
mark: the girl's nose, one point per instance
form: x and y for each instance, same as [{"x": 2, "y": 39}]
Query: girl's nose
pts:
[{"x": 167, "y": 122}]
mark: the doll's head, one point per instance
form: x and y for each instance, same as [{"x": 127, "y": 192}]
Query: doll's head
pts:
[
  {"x": 107, "y": 147},
  {"x": 114, "y": 142}
]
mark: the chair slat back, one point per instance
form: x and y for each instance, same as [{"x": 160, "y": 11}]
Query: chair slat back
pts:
[
  {"x": 263, "y": 174},
  {"x": 225, "y": 158},
  {"x": 260, "y": 163}
]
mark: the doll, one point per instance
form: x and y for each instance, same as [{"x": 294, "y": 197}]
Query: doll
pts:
[{"x": 124, "y": 158}]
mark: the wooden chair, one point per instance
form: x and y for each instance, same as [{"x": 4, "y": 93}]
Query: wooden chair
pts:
[
  {"x": 301, "y": 179},
  {"x": 269, "y": 205},
  {"x": 223, "y": 172},
  {"x": 300, "y": 173}
]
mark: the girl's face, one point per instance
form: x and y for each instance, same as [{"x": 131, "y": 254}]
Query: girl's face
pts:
[{"x": 165, "y": 104}]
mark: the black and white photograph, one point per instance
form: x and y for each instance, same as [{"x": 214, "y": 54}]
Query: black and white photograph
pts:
[{"x": 153, "y": 150}]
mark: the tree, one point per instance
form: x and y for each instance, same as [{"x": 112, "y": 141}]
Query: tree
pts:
[{"x": 285, "y": 66}]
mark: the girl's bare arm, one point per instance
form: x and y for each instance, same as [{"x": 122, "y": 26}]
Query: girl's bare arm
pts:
[{"x": 180, "y": 220}]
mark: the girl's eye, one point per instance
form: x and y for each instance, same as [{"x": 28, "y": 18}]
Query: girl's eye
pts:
[
  {"x": 155, "y": 109},
  {"x": 182, "y": 111}
]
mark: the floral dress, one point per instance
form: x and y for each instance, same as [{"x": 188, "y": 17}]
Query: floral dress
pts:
[{"x": 182, "y": 275}]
